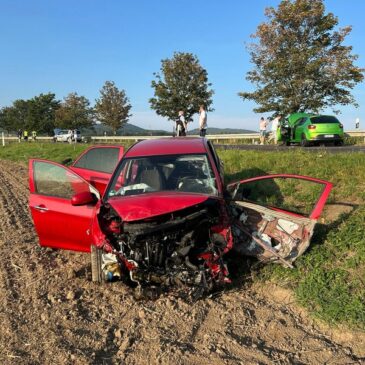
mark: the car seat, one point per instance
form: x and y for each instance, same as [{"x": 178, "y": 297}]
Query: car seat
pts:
[
  {"x": 183, "y": 170},
  {"x": 153, "y": 178}
]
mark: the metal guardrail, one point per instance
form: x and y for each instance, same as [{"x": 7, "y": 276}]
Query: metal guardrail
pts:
[
  {"x": 253, "y": 136},
  {"x": 248, "y": 136}
]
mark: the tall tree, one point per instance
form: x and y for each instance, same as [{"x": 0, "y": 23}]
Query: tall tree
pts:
[
  {"x": 42, "y": 113},
  {"x": 112, "y": 108},
  {"x": 16, "y": 116},
  {"x": 8, "y": 122},
  {"x": 36, "y": 114},
  {"x": 74, "y": 112},
  {"x": 181, "y": 85},
  {"x": 300, "y": 61}
]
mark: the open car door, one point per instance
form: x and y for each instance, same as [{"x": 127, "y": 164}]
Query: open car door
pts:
[
  {"x": 62, "y": 205},
  {"x": 274, "y": 215},
  {"x": 97, "y": 164}
]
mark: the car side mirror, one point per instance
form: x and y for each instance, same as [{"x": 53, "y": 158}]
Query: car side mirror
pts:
[{"x": 84, "y": 198}]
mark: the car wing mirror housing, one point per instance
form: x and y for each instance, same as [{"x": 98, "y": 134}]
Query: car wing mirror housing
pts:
[{"x": 84, "y": 198}]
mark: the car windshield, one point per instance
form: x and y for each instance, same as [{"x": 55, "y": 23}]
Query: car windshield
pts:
[
  {"x": 182, "y": 173},
  {"x": 324, "y": 119}
]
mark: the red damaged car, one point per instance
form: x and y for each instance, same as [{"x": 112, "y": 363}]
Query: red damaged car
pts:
[{"x": 160, "y": 216}]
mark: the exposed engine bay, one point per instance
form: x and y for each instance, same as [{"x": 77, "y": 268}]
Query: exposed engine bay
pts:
[{"x": 185, "y": 250}]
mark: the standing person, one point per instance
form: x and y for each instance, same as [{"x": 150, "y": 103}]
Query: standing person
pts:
[
  {"x": 263, "y": 125},
  {"x": 20, "y": 135},
  {"x": 274, "y": 129},
  {"x": 180, "y": 125},
  {"x": 25, "y": 136},
  {"x": 69, "y": 136},
  {"x": 74, "y": 135},
  {"x": 202, "y": 121},
  {"x": 34, "y": 135}
]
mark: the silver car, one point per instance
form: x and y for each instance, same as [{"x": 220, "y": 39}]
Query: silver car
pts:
[{"x": 64, "y": 135}]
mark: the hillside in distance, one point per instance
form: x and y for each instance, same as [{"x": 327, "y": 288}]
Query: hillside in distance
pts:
[
  {"x": 213, "y": 130},
  {"x": 133, "y": 130},
  {"x": 127, "y": 130}
]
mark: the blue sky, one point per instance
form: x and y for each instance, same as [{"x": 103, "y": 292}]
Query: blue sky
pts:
[{"x": 75, "y": 46}]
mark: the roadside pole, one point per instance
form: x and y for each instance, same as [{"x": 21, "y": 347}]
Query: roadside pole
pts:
[{"x": 3, "y": 138}]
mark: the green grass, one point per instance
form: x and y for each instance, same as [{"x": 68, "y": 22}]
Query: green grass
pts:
[
  {"x": 345, "y": 170},
  {"x": 330, "y": 278},
  {"x": 22, "y": 152}
]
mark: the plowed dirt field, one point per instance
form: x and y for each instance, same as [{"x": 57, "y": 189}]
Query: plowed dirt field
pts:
[{"x": 51, "y": 312}]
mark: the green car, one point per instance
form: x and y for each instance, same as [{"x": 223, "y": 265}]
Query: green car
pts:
[{"x": 309, "y": 129}]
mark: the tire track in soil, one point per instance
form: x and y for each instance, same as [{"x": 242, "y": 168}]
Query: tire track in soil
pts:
[
  {"x": 15, "y": 226},
  {"x": 17, "y": 270},
  {"x": 51, "y": 313}
]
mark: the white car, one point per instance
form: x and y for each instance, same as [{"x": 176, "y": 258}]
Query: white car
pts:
[{"x": 64, "y": 135}]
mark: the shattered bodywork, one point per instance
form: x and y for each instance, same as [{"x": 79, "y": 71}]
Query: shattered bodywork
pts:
[{"x": 166, "y": 219}]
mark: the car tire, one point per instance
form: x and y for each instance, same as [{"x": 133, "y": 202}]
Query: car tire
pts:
[
  {"x": 339, "y": 143},
  {"x": 303, "y": 141},
  {"x": 287, "y": 143},
  {"x": 97, "y": 275}
]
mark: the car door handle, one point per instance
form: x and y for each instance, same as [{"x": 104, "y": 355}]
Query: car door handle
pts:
[{"x": 41, "y": 207}]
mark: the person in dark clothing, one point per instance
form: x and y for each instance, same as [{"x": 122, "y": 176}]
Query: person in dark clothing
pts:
[{"x": 180, "y": 125}]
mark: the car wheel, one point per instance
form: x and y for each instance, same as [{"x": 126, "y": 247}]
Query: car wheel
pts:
[
  {"x": 339, "y": 143},
  {"x": 287, "y": 143},
  {"x": 303, "y": 141},
  {"x": 96, "y": 262}
]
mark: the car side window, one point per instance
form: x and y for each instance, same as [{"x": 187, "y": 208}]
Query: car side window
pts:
[
  {"x": 99, "y": 159},
  {"x": 301, "y": 121},
  {"x": 54, "y": 180}
]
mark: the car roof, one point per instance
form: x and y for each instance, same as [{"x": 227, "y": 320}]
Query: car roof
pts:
[{"x": 167, "y": 146}]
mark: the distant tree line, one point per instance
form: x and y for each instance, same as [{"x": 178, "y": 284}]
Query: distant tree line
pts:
[{"x": 44, "y": 113}]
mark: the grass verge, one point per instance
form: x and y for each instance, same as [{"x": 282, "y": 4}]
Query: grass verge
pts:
[{"x": 22, "y": 152}]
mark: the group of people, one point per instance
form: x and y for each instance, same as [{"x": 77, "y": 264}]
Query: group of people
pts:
[
  {"x": 181, "y": 124},
  {"x": 24, "y": 135},
  {"x": 275, "y": 127}
]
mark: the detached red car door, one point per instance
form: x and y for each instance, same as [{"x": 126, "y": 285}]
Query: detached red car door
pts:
[
  {"x": 58, "y": 223},
  {"x": 97, "y": 164},
  {"x": 275, "y": 215}
]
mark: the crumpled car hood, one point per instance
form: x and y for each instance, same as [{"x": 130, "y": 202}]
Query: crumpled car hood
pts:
[{"x": 137, "y": 207}]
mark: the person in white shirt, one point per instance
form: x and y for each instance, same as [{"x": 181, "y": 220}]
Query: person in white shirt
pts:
[
  {"x": 263, "y": 125},
  {"x": 202, "y": 121},
  {"x": 274, "y": 129}
]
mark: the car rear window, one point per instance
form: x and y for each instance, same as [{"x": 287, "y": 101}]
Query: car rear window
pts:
[
  {"x": 99, "y": 159},
  {"x": 325, "y": 119}
]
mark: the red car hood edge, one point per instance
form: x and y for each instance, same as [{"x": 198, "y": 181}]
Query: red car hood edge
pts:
[{"x": 138, "y": 207}]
